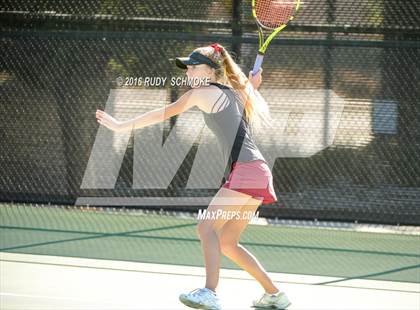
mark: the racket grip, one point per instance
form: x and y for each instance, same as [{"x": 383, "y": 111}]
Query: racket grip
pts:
[{"x": 258, "y": 63}]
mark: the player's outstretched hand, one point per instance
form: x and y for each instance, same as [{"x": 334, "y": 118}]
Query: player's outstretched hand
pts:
[{"x": 108, "y": 121}]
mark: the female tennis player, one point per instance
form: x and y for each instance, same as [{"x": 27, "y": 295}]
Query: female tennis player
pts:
[{"x": 233, "y": 109}]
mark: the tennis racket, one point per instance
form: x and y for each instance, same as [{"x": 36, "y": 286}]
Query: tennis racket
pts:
[{"x": 271, "y": 15}]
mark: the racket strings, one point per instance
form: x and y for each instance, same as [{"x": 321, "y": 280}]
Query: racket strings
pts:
[{"x": 274, "y": 13}]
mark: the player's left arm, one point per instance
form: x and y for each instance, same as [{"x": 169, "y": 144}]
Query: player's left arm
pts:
[{"x": 184, "y": 103}]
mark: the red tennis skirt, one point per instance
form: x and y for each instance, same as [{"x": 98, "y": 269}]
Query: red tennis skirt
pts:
[{"x": 253, "y": 178}]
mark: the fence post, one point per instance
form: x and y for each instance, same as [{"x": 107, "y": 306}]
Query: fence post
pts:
[{"x": 236, "y": 28}]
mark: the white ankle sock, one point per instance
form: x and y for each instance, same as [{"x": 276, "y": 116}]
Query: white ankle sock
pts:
[{"x": 211, "y": 291}]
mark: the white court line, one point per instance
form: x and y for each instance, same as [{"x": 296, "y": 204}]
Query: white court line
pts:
[
  {"x": 38, "y": 282},
  {"x": 200, "y": 272},
  {"x": 6, "y": 294},
  {"x": 43, "y": 299}
]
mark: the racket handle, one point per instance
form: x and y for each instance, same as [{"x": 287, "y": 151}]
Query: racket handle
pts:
[{"x": 258, "y": 63}]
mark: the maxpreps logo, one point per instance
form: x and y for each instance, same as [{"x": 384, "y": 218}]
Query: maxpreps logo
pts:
[
  {"x": 305, "y": 123},
  {"x": 226, "y": 215}
]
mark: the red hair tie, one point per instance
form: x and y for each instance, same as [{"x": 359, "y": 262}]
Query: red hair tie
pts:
[{"x": 216, "y": 47}]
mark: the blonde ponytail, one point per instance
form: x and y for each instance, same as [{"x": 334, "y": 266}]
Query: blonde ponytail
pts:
[{"x": 256, "y": 110}]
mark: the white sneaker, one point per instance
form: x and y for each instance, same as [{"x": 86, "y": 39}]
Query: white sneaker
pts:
[
  {"x": 272, "y": 301},
  {"x": 201, "y": 298}
]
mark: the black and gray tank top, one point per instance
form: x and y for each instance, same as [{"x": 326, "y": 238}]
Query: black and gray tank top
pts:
[{"x": 229, "y": 125}]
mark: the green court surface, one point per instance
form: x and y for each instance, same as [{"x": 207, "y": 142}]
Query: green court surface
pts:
[
  {"x": 165, "y": 239},
  {"x": 82, "y": 258}
]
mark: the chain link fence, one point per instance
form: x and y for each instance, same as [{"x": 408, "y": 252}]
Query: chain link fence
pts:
[{"x": 342, "y": 83}]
